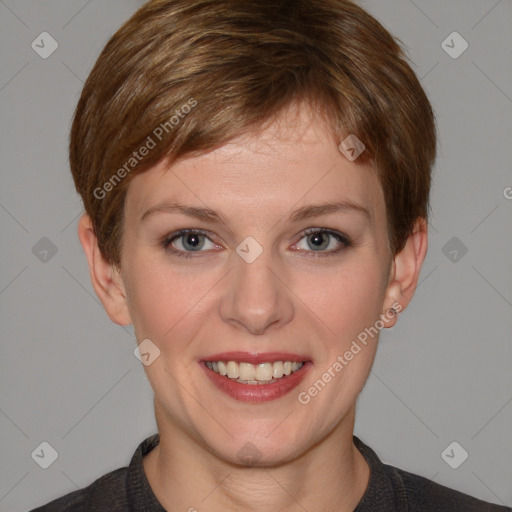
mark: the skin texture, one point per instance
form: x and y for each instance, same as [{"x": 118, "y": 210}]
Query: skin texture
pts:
[{"x": 292, "y": 298}]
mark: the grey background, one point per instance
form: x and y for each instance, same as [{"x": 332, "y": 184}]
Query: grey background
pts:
[{"x": 443, "y": 373}]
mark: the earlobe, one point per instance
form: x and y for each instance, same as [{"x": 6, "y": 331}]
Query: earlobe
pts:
[
  {"x": 405, "y": 272},
  {"x": 106, "y": 279}
]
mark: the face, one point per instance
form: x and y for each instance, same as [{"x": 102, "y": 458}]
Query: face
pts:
[{"x": 270, "y": 250}]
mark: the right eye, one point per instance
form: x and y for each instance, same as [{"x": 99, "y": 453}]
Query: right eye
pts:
[{"x": 187, "y": 241}]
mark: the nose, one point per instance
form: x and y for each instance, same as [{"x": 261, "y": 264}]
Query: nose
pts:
[{"x": 256, "y": 298}]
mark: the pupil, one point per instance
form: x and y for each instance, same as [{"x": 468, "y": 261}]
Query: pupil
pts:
[
  {"x": 318, "y": 240},
  {"x": 193, "y": 241}
]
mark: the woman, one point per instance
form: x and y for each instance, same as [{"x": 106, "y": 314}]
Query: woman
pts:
[{"x": 256, "y": 179}]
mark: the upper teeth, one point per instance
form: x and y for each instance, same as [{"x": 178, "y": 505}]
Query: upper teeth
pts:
[{"x": 263, "y": 372}]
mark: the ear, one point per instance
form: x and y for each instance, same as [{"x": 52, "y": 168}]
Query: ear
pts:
[
  {"x": 106, "y": 279},
  {"x": 405, "y": 272}
]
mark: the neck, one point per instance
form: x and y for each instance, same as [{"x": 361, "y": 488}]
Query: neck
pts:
[{"x": 330, "y": 476}]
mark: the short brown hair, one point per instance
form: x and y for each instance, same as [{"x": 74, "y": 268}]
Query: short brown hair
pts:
[{"x": 200, "y": 72}]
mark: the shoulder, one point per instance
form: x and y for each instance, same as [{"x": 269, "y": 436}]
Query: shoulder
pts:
[
  {"x": 108, "y": 492},
  {"x": 423, "y": 494},
  {"x": 397, "y": 490},
  {"x": 120, "y": 490}
]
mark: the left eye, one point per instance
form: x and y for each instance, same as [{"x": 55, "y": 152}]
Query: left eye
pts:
[{"x": 321, "y": 240}]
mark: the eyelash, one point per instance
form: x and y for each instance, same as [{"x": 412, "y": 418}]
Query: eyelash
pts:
[{"x": 340, "y": 237}]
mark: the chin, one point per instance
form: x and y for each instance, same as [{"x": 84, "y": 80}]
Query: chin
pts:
[{"x": 249, "y": 447}]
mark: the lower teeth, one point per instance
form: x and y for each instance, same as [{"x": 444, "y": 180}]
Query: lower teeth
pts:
[{"x": 253, "y": 381}]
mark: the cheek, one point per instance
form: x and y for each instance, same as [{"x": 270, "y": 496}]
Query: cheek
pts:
[
  {"x": 351, "y": 308},
  {"x": 166, "y": 304},
  {"x": 149, "y": 299},
  {"x": 348, "y": 299}
]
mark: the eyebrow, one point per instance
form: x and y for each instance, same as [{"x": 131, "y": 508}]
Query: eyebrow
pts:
[{"x": 305, "y": 212}]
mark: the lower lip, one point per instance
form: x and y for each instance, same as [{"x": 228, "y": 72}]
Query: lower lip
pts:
[{"x": 255, "y": 393}]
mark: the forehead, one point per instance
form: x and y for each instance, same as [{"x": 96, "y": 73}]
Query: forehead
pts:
[{"x": 292, "y": 162}]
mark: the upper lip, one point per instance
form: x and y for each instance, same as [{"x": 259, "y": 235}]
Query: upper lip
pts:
[{"x": 257, "y": 357}]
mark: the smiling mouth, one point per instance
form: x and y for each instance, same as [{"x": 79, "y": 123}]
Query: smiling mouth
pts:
[{"x": 254, "y": 374}]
